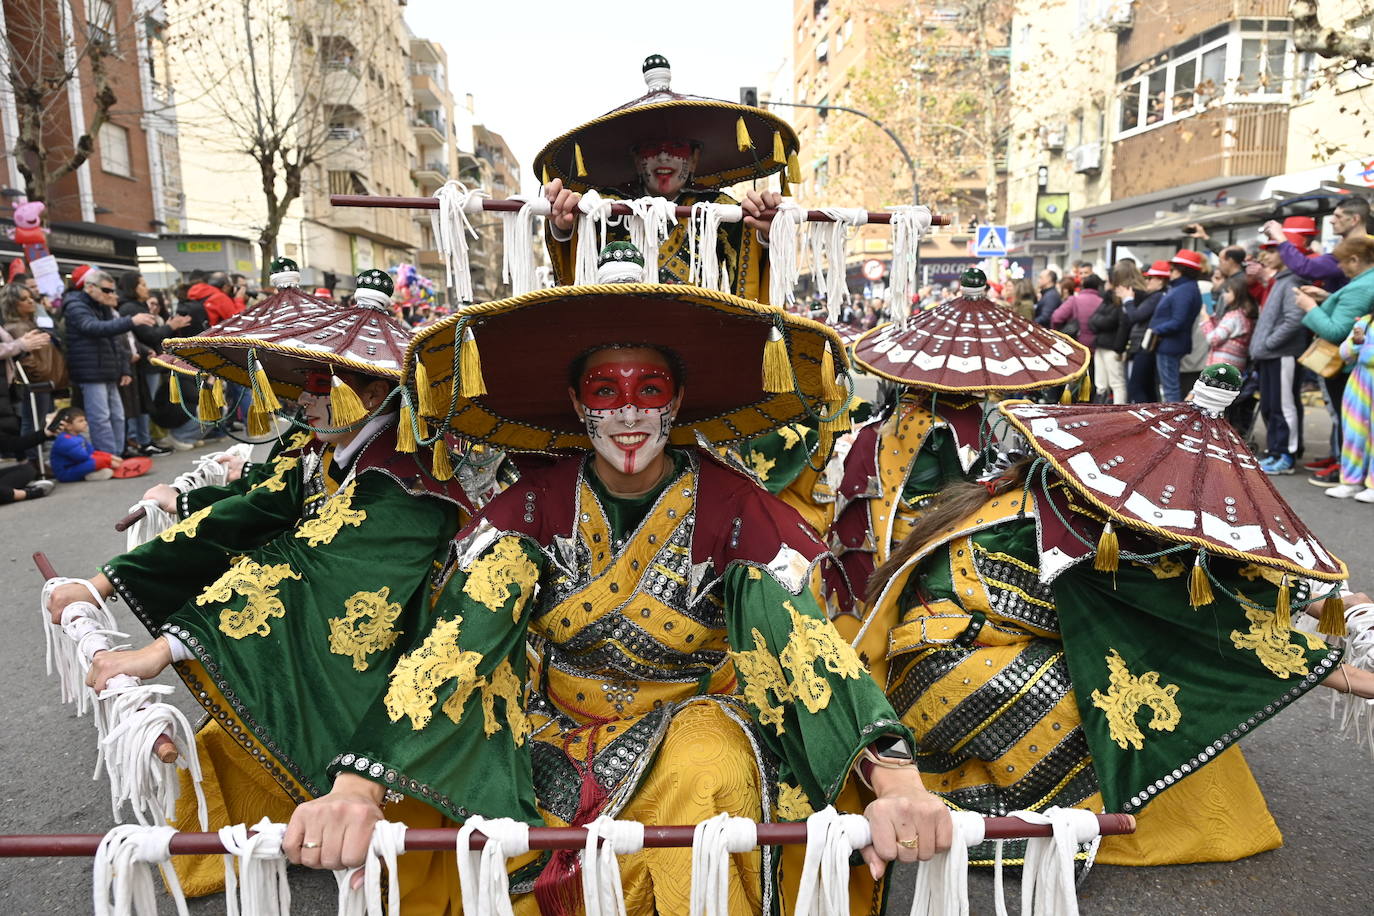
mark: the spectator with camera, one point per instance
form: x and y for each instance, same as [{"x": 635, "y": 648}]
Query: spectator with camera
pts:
[{"x": 1349, "y": 221}]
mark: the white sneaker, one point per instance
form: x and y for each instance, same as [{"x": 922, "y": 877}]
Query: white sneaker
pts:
[
  {"x": 174, "y": 443},
  {"x": 101, "y": 474},
  {"x": 1343, "y": 491},
  {"x": 1365, "y": 496}
]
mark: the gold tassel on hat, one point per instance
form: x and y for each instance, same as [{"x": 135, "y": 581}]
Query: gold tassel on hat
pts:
[
  {"x": 1085, "y": 388},
  {"x": 578, "y": 165},
  {"x": 1332, "y": 621},
  {"x": 206, "y": 409},
  {"x": 1066, "y": 396},
  {"x": 470, "y": 381},
  {"x": 742, "y": 138},
  {"x": 344, "y": 403},
  {"x": 793, "y": 168},
  {"x": 1108, "y": 550},
  {"x": 830, "y": 387},
  {"x": 263, "y": 395},
  {"x": 1199, "y": 586},
  {"x": 174, "y": 389},
  {"x": 259, "y": 421},
  {"x": 443, "y": 467},
  {"x": 217, "y": 392},
  {"x": 777, "y": 370},
  {"x": 429, "y": 399},
  {"x": 405, "y": 428},
  {"x": 544, "y": 176},
  {"x": 1283, "y": 608},
  {"x": 779, "y": 151}
]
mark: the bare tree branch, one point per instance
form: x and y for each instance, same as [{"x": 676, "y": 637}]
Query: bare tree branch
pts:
[{"x": 1310, "y": 35}]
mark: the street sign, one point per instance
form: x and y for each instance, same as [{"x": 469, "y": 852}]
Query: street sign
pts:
[
  {"x": 873, "y": 269},
  {"x": 991, "y": 242}
]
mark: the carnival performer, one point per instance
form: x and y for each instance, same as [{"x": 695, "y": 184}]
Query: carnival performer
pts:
[
  {"x": 271, "y": 587},
  {"x": 681, "y": 148},
  {"x": 1097, "y": 627},
  {"x": 681, "y": 668},
  {"x": 945, "y": 361}
]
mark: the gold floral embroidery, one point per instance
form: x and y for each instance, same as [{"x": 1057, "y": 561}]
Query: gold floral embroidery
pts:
[
  {"x": 760, "y": 673},
  {"x": 257, "y": 584},
  {"x": 335, "y": 513},
  {"x": 1270, "y": 643},
  {"x": 277, "y": 481},
  {"x": 186, "y": 526},
  {"x": 814, "y": 640},
  {"x": 418, "y": 674},
  {"x": 1166, "y": 568},
  {"x": 755, "y": 573},
  {"x": 365, "y": 627},
  {"x": 492, "y": 577},
  {"x": 761, "y": 464},
  {"x": 791, "y": 435},
  {"x": 793, "y": 805},
  {"x": 1127, "y": 694},
  {"x": 507, "y": 686}
]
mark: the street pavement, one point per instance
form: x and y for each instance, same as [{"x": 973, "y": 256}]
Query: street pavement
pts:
[{"x": 1319, "y": 784}]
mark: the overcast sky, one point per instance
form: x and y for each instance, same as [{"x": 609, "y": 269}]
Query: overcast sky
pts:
[{"x": 538, "y": 68}]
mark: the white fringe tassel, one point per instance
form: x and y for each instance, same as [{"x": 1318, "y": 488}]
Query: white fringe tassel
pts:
[
  {"x": 783, "y": 262},
  {"x": 211, "y": 470},
  {"x": 591, "y": 235},
  {"x": 650, "y": 221},
  {"x": 1356, "y": 714},
  {"x": 517, "y": 241},
  {"x": 451, "y": 228},
  {"x": 482, "y": 873},
  {"x": 258, "y": 885},
  {"x": 1047, "y": 882},
  {"x": 830, "y": 838},
  {"x": 153, "y": 523},
  {"x": 827, "y": 242},
  {"x": 703, "y": 250},
  {"x": 712, "y": 843},
  {"x": 388, "y": 842},
  {"x": 942, "y": 882},
  {"x": 601, "y": 887},
  {"x": 122, "y": 881},
  {"x": 909, "y": 225}
]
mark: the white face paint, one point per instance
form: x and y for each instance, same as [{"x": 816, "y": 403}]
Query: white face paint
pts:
[
  {"x": 630, "y": 438},
  {"x": 319, "y": 415}
]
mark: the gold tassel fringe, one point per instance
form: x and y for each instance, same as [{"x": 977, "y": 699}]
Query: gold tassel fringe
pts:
[
  {"x": 346, "y": 407},
  {"x": 471, "y": 383},
  {"x": 206, "y": 410},
  {"x": 1332, "y": 621},
  {"x": 742, "y": 138},
  {"x": 793, "y": 169},
  {"x": 259, "y": 421},
  {"x": 1085, "y": 388},
  {"x": 830, "y": 387},
  {"x": 264, "y": 397},
  {"x": 779, "y": 151},
  {"x": 217, "y": 392},
  {"x": 405, "y": 429},
  {"x": 174, "y": 388},
  {"x": 579, "y": 165},
  {"x": 777, "y": 369},
  {"x": 1283, "y": 609},
  {"x": 544, "y": 176},
  {"x": 1199, "y": 586},
  {"x": 1108, "y": 557},
  {"x": 429, "y": 398},
  {"x": 1066, "y": 397},
  {"x": 443, "y": 467}
]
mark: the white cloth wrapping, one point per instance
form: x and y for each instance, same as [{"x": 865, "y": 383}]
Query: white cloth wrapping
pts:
[
  {"x": 830, "y": 838},
  {"x": 1047, "y": 881},
  {"x": 153, "y": 523},
  {"x": 601, "y": 887},
  {"x": 827, "y": 244},
  {"x": 909, "y": 224},
  {"x": 517, "y": 243},
  {"x": 482, "y": 877},
  {"x": 712, "y": 843},
  {"x": 703, "y": 231},
  {"x": 210, "y": 471},
  {"x": 650, "y": 221},
  {"x": 255, "y": 870},
  {"x": 451, "y": 228},
  {"x": 122, "y": 880},
  {"x": 593, "y": 213},
  {"x": 783, "y": 263},
  {"x": 1356, "y": 714},
  {"x": 942, "y": 882},
  {"x": 388, "y": 842}
]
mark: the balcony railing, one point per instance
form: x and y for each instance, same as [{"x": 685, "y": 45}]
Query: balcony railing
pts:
[
  {"x": 1228, "y": 141},
  {"x": 347, "y": 134}
]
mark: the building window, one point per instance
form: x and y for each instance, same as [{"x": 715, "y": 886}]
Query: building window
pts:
[
  {"x": 114, "y": 150},
  {"x": 1130, "y": 107},
  {"x": 100, "y": 23},
  {"x": 1261, "y": 65},
  {"x": 821, "y": 173},
  {"x": 1306, "y": 74}
]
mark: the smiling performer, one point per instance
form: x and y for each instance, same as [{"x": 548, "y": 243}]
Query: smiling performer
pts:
[
  {"x": 679, "y": 147},
  {"x": 272, "y": 587},
  {"x": 681, "y": 667}
]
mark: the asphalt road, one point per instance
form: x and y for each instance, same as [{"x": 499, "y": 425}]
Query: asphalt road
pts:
[{"x": 1319, "y": 785}]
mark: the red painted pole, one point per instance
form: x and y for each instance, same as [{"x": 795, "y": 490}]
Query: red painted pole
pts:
[
  {"x": 132, "y": 518},
  {"x": 511, "y": 206},
  {"x": 85, "y": 844}
]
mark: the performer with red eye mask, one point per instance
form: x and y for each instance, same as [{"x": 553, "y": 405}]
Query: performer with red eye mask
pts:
[{"x": 681, "y": 148}]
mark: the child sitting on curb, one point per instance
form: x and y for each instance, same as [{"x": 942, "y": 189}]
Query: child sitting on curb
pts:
[{"x": 73, "y": 456}]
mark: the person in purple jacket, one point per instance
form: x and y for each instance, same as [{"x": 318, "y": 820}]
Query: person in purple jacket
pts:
[{"x": 1351, "y": 220}]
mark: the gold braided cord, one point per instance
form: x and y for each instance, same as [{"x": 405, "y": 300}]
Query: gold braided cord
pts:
[
  {"x": 975, "y": 389},
  {"x": 760, "y": 169},
  {"x": 1131, "y": 521}
]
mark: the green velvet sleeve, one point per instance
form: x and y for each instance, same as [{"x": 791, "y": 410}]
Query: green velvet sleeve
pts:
[
  {"x": 815, "y": 704},
  {"x": 255, "y": 473},
  {"x": 298, "y": 636},
  {"x": 161, "y": 575},
  {"x": 450, "y": 730},
  {"x": 937, "y": 463}
]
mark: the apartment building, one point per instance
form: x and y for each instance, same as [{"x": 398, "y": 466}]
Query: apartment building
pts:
[
  {"x": 436, "y": 145},
  {"x": 1213, "y": 116},
  {"x": 129, "y": 187}
]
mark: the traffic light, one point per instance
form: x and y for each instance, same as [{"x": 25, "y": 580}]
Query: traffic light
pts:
[{"x": 749, "y": 95}]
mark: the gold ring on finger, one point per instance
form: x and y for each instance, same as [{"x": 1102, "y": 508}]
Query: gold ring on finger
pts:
[
  {"x": 310, "y": 846},
  {"x": 909, "y": 844}
]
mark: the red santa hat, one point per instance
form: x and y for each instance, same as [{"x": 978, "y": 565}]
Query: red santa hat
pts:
[{"x": 79, "y": 274}]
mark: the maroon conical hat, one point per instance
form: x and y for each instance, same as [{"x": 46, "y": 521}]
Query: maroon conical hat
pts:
[
  {"x": 293, "y": 332},
  {"x": 1178, "y": 471},
  {"x": 971, "y": 345}
]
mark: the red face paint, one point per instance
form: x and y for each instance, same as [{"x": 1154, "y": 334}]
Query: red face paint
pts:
[
  {"x": 612, "y": 385},
  {"x": 682, "y": 149},
  {"x": 318, "y": 382}
]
